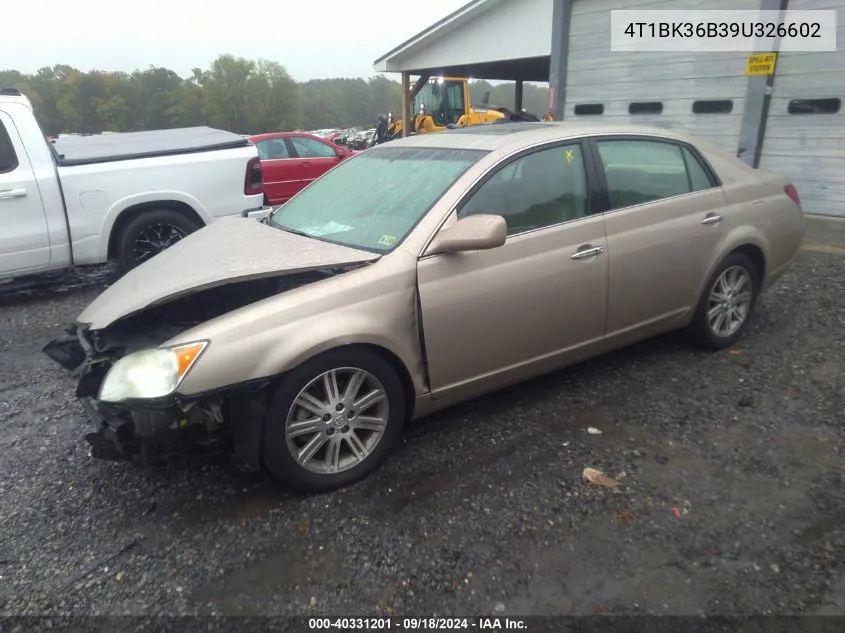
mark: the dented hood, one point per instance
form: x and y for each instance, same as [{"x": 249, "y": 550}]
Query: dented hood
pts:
[{"x": 228, "y": 250}]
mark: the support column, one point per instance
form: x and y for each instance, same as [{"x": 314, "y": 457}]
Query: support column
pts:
[
  {"x": 406, "y": 103},
  {"x": 517, "y": 99},
  {"x": 758, "y": 97},
  {"x": 561, "y": 20}
]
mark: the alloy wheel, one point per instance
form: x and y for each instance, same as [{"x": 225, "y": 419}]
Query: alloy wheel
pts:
[
  {"x": 336, "y": 420},
  {"x": 154, "y": 239},
  {"x": 730, "y": 301}
]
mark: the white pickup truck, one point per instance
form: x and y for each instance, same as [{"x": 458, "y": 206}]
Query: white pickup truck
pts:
[{"x": 84, "y": 200}]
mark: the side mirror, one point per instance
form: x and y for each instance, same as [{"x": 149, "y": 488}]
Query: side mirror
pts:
[{"x": 474, "y": 233}]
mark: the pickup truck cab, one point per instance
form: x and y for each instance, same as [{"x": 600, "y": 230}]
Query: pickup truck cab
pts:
[{"x": 82, "y": 200}]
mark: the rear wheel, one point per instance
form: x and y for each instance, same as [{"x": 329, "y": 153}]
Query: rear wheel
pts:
[
  {"x": 727, "y": 303},
  {"x": 148, "y": 234},
  {"x": 333, "y": 420}
]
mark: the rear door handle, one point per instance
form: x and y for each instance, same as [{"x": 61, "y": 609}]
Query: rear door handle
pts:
[
  {"x": 587, "y": 251},
  {"x": 8, "y": 194},
  {"x": 712, "y": 218}
]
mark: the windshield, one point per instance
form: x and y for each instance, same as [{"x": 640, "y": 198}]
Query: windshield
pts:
[{"x": 374, "y": 200}]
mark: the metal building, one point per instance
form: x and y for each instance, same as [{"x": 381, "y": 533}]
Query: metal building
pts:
[{"x": 791, "y": 121}]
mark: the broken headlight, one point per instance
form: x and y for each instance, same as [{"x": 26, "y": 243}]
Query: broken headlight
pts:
[{"x": 150, "y": 373}]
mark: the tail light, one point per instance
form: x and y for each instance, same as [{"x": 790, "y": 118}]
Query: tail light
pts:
[
  {"x": 254, "y": 183},
  {"x": 792, "y": 192}
]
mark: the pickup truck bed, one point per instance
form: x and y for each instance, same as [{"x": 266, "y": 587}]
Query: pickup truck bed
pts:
[
  {"x": 87, "y": 200},
  {"x": 105, "y": 148}
]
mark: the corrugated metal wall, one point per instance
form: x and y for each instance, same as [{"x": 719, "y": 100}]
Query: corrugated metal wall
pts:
[
  {"x": 595, "y": 74},
  {"x": 808, "y": 147},
  {"x": 809, "y": 144}
]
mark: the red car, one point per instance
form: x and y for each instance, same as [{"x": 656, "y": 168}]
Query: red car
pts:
[{"x": 291, "y": 160}]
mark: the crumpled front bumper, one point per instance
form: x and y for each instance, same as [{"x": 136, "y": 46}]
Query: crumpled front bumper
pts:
[
  {"x": 117, "y": 432},
  {"x": 140, "y": 435},
  {"x": 149, "y": 431},
  {"x": 111, "y": 436}
]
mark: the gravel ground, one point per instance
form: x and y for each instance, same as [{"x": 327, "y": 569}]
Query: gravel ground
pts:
[{"x": 732, "y": 497}]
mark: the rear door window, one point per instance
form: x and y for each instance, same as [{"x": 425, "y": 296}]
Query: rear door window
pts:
[
  {"x": 8, "y": 157},
  {"x": 273, "y": 149},
  {"x": 642, "y": 171}
]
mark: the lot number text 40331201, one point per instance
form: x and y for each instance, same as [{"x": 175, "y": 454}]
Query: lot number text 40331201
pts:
[{"x": 493, "y": 624}]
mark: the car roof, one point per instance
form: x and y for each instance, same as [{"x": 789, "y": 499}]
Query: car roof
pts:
[
  {"x": 494, "y": 136},
  {"x": 270, "y": 135}
]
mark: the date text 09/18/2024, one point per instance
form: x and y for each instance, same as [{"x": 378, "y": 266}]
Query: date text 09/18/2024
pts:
[{"x": 492, "y": 624}]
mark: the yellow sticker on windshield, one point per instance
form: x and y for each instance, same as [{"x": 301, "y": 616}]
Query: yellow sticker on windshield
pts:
[
  {"x": 387, "y": 240},
  {"x": 570, "y": 156}
]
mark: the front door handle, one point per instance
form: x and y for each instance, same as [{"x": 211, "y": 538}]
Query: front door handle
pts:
[
  {"x": 712, "y": 218},
  {"x": 8, "y": 194},
  {"x": 587, "y": 251}
]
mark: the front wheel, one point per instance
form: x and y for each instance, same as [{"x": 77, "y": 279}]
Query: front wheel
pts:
[
  {"x": 333, "y": 420},
  {"x": 727, "y": 303}
]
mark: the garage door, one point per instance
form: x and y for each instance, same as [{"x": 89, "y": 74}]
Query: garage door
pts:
[
  {"x": 805, "y": 131},
  {"x": 701, "y": 92}
]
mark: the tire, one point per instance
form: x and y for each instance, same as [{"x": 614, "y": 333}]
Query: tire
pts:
[
  {"x": 339, "y": 430},
  {"x": 170, "y": 226},
  {"x": 703, "y": 331}
]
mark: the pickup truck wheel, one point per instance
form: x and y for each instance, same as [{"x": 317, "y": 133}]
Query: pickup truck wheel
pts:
[
  {"x": 333, "y": 420},
  {"x": 150, "y": 233}
]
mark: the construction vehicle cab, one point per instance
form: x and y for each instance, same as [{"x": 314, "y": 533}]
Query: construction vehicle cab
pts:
[{"x": 442, "y": 103}]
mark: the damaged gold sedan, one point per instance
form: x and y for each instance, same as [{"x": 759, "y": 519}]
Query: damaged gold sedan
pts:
[{"x": 416, "y": 275}]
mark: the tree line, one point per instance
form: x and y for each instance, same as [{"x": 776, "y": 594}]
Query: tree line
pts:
[{"x": 236, "y": 94}]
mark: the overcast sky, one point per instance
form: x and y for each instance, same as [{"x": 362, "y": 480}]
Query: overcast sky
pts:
[{"x": 311, "y": 38}]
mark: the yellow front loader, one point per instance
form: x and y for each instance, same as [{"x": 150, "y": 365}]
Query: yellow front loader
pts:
[{"x": 443, "y": 103}]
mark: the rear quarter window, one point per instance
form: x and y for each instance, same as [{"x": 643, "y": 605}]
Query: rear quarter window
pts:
[
  {"x": 8, "y": 158},
  {"x": 699, "y": 178}
]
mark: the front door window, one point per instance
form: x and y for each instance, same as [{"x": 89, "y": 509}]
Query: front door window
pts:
[{"x": 536, "y": 191}]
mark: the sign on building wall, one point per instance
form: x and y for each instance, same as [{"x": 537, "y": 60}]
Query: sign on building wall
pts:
[{"x": 761, "y": 64}]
